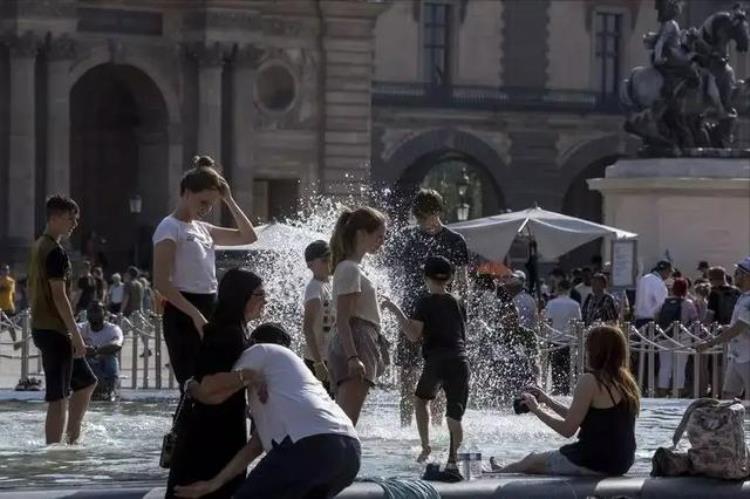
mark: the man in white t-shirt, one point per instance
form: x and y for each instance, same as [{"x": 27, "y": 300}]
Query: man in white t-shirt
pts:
[
  {"x": 737, "y": 333},
  {"x": 103, "y": 340},
  {"x": 651, "y": 293},
  {"x": 319, "y": 316},
  {"x": 559, "y": 313},
  {"x": 312, "y": 449}
]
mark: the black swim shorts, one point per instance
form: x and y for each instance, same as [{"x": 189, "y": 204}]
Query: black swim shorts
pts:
[
  {"x": 452, "y": 374},
  {"x": 62, "y": 372}
]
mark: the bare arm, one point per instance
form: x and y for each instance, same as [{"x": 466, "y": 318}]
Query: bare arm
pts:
[
  {"x": 164, "y": 254},
  {"x": 243, "y": 234},
  {"x": 62, "y": 305},
  {"x": 217, "y": 388},
  {"x": 413, "y": 330},
  {"x": 568, "y": 425},
  {"x": 726, "y": 335},
  {"x": 313, "y": 309},
  {"x": 345, "y": 305}
]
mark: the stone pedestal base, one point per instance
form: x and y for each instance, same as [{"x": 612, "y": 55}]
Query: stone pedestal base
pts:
[{"x": 693, "y": 208}]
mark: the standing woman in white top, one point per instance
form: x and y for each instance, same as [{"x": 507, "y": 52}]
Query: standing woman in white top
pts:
[
  {"x": 357, "y": 353},
  {"x": 184, "y": 261}
]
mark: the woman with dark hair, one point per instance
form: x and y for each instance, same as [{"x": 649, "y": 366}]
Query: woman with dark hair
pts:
[
  {"x": 184, "y": 261},
  {"x": 208, "y": 435},
  {"x": 355, "y": 355},
  {"x": 676, "y": 308},
  {"x": 605, "y": 403}
]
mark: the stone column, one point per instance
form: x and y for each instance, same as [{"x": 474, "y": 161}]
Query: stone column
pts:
[
  {"x": 61, "y": 53},
  {"x": 242, "y": 167},
  {"x": 22, "y": 152},
  {"x": 210, "y": 62}
]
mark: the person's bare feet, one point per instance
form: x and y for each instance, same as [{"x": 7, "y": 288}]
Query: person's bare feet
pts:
[
  {"x": 426, "y": 451},
  {"x": 493, "y": 464}
]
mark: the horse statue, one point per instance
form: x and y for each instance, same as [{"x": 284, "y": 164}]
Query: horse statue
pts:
[{"x": 688, "y": 97}]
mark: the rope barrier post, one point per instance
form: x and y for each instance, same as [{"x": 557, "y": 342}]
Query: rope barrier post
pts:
[
  {"x": 675, "y": 327},
  {"x": 641, "y": 361},
  {"x": 626, "y": 332},
  {"x": 156, "y": 321},
  {"x": 715, "y": 392},
  {"x": 146, "y": 356},
  {"x": 651, "y": 355},
  {"x": 134, "y": 360},
  {"x": 25, "y": 333},
  {"x": 697, "y": 361}
]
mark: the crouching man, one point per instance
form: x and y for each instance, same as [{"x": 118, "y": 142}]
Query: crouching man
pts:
[
  {"x": 103, "y": 341},
  {"x": 312, "y": 450}
]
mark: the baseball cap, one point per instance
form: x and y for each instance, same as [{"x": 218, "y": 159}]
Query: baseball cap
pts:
[
  {"x": 438, "y": 268},
  {"x": 317, "y": 249},
  {"x": 744, "y": 265}
]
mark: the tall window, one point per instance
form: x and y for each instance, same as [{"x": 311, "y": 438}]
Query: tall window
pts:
[
  {"x": 608, "y": 50},
  {"x": 437, "y": 17}
]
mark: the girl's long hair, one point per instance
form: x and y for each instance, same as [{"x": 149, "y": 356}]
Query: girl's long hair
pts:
[
  {"x": 235, "y": 289},
  {"x": 345, "y": 232},
  {"x": 608, "y": 361}
]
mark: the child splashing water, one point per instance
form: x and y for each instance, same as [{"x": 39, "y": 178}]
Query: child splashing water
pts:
[{"x": 438, "y": 322}]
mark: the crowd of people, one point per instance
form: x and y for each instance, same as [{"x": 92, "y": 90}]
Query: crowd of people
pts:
[{"x": 302, "y": 408}]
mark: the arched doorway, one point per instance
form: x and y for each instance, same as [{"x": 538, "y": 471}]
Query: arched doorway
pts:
[
  {"x": 443, "y": 171},
  {"x": 119, "y": 150},
  {"x": 582, "y": 202}
]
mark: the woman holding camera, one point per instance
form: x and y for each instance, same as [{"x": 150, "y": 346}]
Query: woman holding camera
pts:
[{"x": 605, "y": 404}]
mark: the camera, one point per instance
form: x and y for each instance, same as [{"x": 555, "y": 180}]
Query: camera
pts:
[{"x": 519, "y": 407}]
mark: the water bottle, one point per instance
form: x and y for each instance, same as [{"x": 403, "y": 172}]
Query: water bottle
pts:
[{"x": 470, "y": 463}]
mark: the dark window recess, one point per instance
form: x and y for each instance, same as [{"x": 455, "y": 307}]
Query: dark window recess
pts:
[
  {"x": 131, "y": 22},
  {"x": 437, "y": 21},
  {"x": 608, "y": 52}
]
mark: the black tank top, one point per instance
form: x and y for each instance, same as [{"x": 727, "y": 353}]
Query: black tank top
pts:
[{"x": 606, "y": 441}]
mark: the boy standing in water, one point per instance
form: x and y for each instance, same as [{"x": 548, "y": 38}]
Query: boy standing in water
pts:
[
  {"x": 438, "y": 321},
  {"x": 318, "y": 317}
]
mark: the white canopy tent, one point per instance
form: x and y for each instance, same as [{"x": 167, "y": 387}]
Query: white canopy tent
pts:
[
  {"x": 277, "y": 236},
  {"x": 555, "y": 233}
]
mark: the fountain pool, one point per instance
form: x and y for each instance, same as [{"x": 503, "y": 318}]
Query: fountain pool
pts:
[{"x": 122, "y": 441}]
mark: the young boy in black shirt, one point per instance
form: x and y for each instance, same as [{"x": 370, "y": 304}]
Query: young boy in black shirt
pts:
[{"x": 438, "y": 321}]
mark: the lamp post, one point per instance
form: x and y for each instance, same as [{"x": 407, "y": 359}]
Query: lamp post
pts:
[
  {"x": 463, "y": 208},
  {"x": 136, "y": 204}
]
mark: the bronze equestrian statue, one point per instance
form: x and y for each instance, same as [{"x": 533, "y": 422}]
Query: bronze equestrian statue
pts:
[{"x": 688, "y": 99}]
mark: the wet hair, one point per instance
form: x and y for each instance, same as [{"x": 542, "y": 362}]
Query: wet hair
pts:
[
  {"x": 608, "y": 360},
  {"x": 204, "y": 176},
  {"x": 345, "y": 232},
  {"x": 680, "y": 287},
  {"x": 57, "y": 204},
  {"x": 235, "y": 289},
  {"x": 427, "y": 202},
  {"x": 271, "y": 332}
]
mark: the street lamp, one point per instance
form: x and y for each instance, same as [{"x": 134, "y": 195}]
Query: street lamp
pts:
[
  {"x": 462, "y": 212},
  {"x": 136, "y": 204}
]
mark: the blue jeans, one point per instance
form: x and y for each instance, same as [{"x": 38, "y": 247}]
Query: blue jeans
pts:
[{"x": 104, "y": 366}]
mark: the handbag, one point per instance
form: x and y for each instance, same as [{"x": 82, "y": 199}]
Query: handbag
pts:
[{"x": 170, "y": 439}]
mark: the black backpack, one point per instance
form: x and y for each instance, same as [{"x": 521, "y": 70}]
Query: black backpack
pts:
[
  {"x": 670, "y": 312},
  {"x": 725, "y": 300}
]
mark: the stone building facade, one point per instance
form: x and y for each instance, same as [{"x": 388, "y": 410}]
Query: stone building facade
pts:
[{"x": 110, "y": 99}]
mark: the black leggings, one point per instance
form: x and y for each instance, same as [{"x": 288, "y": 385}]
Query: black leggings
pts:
[{"x": 183, "y": 341}]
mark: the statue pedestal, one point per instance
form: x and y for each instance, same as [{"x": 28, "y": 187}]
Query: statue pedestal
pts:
[{"x": 695, "y": 208}]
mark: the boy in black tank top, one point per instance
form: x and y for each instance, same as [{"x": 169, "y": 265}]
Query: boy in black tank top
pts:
[{"x": 438, "y": 321}]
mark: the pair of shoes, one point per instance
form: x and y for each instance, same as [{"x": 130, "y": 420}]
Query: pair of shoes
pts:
[
  {"x": 147, "y": 353},
  {"x": 450, "y": 474}
]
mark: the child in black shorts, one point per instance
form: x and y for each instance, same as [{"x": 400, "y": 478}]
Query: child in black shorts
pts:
[{"x": 439, "y": 322}]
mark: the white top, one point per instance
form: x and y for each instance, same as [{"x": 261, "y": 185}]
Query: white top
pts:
[
  {"x": 297, "y": 406},
  {"x": 526, "y": 306},
  {"x": 561, "y": 310},
  {"x": 318, "y": 290},
  {"x": 194, "y": 269},
  {"x": 584, "y": 291},
  {"x": 739, "y": 347},
  {"x": 649, "y": 296},
  {"x": 110, "y": 334},
  {"x": 117, "y": 293},
  {"x": 349, "y": 278}
]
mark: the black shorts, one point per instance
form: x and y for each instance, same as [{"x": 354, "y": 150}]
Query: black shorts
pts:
[
  {"x": 299, "y": 471},
  {"x": 452, "y": 374},
  {"x": 62, "y": 372}
]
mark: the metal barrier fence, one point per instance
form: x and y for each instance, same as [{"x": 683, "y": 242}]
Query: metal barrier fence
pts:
[
  {"x": 646, "y": 341},
  {"x": 143, "y": 359}
]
